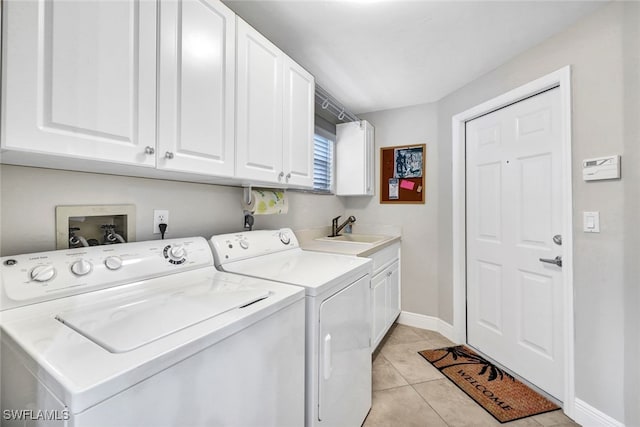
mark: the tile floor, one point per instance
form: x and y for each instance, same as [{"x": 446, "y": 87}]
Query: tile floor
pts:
[{"x": 408, "y": 391}]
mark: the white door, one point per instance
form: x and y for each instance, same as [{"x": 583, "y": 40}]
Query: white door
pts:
[
  {"x": 259, "y": 106},
  {"x": 514, "y": 300},
  {"x": 80, "y": 79},
  {"x": 345, "y": 357},
  {"x": 299, "y": 98},
  {"x": 197, "y": 87}
]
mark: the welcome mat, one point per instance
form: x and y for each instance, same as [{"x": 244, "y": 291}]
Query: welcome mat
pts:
[{"x": 499, "y": 393}]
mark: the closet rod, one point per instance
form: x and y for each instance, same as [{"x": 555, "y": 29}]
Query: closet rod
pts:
[{"x": 333, "y": 106}]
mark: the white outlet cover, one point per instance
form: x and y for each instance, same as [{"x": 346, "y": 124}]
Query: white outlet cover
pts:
[{"x": 157, "y": 215}]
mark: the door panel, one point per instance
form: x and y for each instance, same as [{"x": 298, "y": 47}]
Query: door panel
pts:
[
  {"x": 298, "y": 124},
  {"x": 345, "y": 357},
  {"x": 259, "y": 108},
  {"x": 514, "y": 301},
  {"x": 80, "y": 79},
  {"x": 197, "y": 80}
]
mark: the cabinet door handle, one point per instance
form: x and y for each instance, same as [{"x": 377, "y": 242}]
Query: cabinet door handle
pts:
[
  {"x": 149, "y": 150},
  {"x": 288, "y": 176},
  {"x": 280, "y": 175},
  {"x": 168, "y": 155}
]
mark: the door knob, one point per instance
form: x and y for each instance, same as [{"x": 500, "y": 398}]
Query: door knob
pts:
[
  {"x": 168, "y": 155},
  {"x": 557, "y": 239},
  {"x": 149, "y": 150},
  {"x": 557, "y": 260}
]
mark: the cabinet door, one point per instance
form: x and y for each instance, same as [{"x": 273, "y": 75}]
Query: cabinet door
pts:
[
  {"x": 355, "y": 159},
  {"x": 379, "y": 307},
  {"x": 259, "y": 106},
  {"x": 80, "y": 79},
  {"x": 393, "y": 293},
  {"x": 299, "y": 96},
  {"x": 197, "y": 83}
]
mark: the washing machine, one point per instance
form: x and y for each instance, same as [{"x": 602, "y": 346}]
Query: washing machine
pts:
[
  {"x": 147, "y": 334},
  {"x": 338, "y": 316}
]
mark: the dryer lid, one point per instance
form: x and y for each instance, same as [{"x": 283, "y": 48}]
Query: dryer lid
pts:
[{"x": 131, "y": 324}]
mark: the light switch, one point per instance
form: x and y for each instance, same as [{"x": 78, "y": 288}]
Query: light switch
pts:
[{"x": 591, "y": 222}]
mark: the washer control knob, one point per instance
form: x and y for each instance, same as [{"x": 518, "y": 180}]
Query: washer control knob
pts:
[
  {"x": 244, "y": 244},
  {"x": 113, "y": 262},
  {"x": 285, "y": 238},
  {"x": 177, "y": 252},
  {"x": 81, "y": 267},
  {"x": 42, "y": 273}
]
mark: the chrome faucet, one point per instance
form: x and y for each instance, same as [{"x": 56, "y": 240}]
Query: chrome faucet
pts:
[{"x": 335, "y": 228}]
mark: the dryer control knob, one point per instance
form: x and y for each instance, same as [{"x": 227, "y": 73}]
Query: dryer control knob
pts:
[
  {"x": 285, "y": 238},
  {"x": 113, "y": 262},
  {"x": 42, "y": 273},
  {"x": 81, "y": 267},
  {"x": 244, "y": 244}
]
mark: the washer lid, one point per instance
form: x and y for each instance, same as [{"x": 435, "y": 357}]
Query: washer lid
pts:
[{"x": 132, "y": 324}]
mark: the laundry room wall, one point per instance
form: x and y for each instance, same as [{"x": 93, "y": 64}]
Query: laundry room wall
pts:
[
  {"x": 602, "y": 50},
  {"x": 405, "y": 126},
  {"x": 30, "y": 196}
]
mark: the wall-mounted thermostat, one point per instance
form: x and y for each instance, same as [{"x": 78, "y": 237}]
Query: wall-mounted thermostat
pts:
[{"x": 601, "y": 168}]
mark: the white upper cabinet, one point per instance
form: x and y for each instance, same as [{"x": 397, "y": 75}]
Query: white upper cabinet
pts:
[
  {"x": 355, "y": 159},
  {"x": 299, "y": 124},
  {"x": 80, "y": 79},
  {"x": 259, "y": 106},
  {"x": 196, "y": 87},
  {"x": 275, "y": 108}
]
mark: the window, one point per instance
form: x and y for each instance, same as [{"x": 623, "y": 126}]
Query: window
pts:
[{"x": 322, "y": 164}]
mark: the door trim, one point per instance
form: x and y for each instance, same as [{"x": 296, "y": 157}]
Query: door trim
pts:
[{"x": 562, "y": 79}]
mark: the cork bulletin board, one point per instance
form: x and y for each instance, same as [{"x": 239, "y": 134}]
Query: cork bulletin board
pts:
[{"x": 402, "y": 172}]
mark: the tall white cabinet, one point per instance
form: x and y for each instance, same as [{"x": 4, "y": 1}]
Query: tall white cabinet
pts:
[
  {"x": 274, "y": 121},
  {"x": 80, "y": 79},
  {"x": 196, "y": 87},
  {"x": 355, "y": 159}
]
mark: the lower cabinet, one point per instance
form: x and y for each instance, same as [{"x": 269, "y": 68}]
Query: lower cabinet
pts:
[{"x": 385, "y": 292}]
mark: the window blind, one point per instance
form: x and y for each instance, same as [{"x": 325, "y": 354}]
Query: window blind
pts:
[{"x": 322, "y": 163}]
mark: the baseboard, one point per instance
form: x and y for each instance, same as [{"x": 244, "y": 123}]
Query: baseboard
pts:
[
  {"x": 588, "y": 416},
  {"x": 426, "y": 322}
]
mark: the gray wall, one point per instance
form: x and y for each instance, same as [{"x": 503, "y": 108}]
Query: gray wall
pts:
[
  {"x": 603, "y": 52},
  {"x": 30, "y": 195},
  {"x": 404, "y": 126}
]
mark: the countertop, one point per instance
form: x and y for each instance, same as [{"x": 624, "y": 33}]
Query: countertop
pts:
[{"x": 307, "y": 239}]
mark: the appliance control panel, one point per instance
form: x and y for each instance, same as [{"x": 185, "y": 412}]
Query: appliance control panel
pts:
[
  {"x": 37, "y": 277},
  {"x": 249, "y": 244}
]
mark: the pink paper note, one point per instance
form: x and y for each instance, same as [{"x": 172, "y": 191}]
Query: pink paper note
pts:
[{"x": 407, "y": 185}]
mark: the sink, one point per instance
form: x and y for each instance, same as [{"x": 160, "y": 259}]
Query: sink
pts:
[{"x": 368, "y": 239}]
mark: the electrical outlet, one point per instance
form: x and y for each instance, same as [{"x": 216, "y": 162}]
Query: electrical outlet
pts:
[{"x": 160, "y": 216}]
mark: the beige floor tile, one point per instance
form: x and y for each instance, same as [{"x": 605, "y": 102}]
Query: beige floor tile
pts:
[
  {"x": 385, "y": 376},
  {"x": 401, "y": 334},
  {"x": 413, "y": 367},
  {"x": 457, "y": 409},
  {"x": 555, "y": 418},
  {"x": 436, "y": 339},
  {"x": 401, "y": 407}
]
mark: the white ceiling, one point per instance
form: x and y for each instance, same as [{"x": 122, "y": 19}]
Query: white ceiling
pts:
[{"x": 376, "y": 55}]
